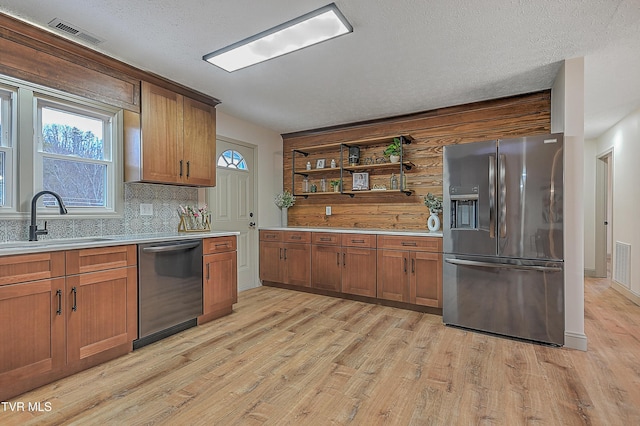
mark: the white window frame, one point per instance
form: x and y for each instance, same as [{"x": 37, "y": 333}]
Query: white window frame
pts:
[
  {"x": 24, "y": 162},
  {"x": 110, "y": 148},
  {"x": 8, "y": 98}
]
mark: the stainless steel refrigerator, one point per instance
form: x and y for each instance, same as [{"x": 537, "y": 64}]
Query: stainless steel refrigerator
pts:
[{"x": 503, "y": 267}]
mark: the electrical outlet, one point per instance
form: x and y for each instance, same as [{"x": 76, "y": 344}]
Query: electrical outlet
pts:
[
  {"x": 327, "y": 210},
  {"x": 146, "y": 209}
]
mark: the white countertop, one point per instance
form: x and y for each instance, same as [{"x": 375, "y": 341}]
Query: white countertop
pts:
[
  {"x": 408, "y": 233},
  {"x": 46, "y": 245}
]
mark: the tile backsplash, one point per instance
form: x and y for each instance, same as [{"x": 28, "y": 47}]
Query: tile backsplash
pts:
[{"x": 165, "y": 200}]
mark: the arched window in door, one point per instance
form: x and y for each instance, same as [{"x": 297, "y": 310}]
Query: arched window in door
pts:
[{"x": 231, "y": 159}]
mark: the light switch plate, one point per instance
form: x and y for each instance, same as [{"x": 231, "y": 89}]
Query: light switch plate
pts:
[
  {"x": 146, "y": 209},
  {"x": 327, "y": 210}
]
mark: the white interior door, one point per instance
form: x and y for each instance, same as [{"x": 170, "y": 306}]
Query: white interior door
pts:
[{"x": 233, "y": 202}]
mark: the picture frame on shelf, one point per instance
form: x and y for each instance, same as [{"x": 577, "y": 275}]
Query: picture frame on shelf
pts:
[
  {"x": 360, "y": 182},
  {"x": 320, "y": 164}
]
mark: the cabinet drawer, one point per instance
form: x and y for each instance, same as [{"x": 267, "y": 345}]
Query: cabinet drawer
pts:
[
  {"x": 31, "y": 267},
  {"x": 396, "y": 242},
  {"x": 296, "y": 237},
  {"x": 218, "y": 244},
  {"x": 359, "y": 240},
  {"x": 326, "y": 238},
  {"x": 270, "y": 235},
  {"x": 100, "y": 259}
]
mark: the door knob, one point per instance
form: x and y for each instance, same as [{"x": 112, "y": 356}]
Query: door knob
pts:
[{"x": 252, "y": 225}]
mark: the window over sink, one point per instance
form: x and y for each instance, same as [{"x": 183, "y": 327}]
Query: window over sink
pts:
[
  {"x": 75, "y": 151},
  {"x": 73, "y": 156}
]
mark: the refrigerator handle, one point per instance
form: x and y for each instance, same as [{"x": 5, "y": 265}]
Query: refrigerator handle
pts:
[
  {"x": 463, "y": 262},
  {"x": 502, "y": 197},
  {"x": 492, "y": 195}
]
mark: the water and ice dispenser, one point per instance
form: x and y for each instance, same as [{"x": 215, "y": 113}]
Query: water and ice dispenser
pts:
[{"x": 464, "y": 207}]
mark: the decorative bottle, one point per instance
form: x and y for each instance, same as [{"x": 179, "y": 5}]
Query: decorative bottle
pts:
[
  {"x": 394, "y": 181},
  {"x": 333, "y": 163}
]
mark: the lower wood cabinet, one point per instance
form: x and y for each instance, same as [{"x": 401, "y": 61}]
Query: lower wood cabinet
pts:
[
  {"x": 68, "y": 322},
  {"x": 344, "y": 263},
  {"x": 404, "y": 269},
  {"x": 286, "y": 260},
  {"x": 101, "y": 313},
  {"x": 32, "y": 352},
  {"x": 220, "y": 280},
  {"x": 410, "y": 275}
]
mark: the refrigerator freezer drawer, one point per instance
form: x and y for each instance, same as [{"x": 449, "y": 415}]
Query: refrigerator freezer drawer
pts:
[{"x": 523, "y": 299}]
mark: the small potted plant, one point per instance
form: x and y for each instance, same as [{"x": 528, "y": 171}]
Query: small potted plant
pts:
[
  {"x": 285, "y": 200},
  {"x": 393, "y": 150},
  {"x": 335, "y": 184},
  {"x": 435, "y": 207}
]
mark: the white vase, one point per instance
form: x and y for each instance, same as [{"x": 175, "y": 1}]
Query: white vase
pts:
[
  {"x": 284, "y": 217},
  {"x": 433, "y": 223},
  {"x": 394, "y": 158}
]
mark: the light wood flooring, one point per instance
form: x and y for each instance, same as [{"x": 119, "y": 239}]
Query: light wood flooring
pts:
[{"x": 291, "y": 358}]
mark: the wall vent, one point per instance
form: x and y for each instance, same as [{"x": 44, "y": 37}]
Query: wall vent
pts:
[
  {"x": 622, "y": 267},
  {"x": 74, "y": 31}
]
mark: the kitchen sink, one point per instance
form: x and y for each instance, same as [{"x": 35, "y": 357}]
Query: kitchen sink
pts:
[
  {"x": 71, "y": 240},
  {"x": 61, "y": 241}
]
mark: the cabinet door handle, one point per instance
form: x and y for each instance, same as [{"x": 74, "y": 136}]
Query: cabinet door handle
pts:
[
  {"x": 296, "y": 237},
  {"x": 344, "y": 259},
  {"x": 338, "y": 259},
  {"x": 404, "y": 243},
  {"x": 180, "y": 168},
  {"x": 75, "y": 299},
  {"x": 222, "y": 245},
  {"x": 285, "y": 254},
  {"x": 405, "y": 264},
  {"x": 280, "y": 251},
  {"x": 325, "y": 239},
  {"x": 413, "y": 266},
  {"x": 59, "y": 294},
  {"x": 208, "y": 264},
  {"x": 357, "y": 241},
  {"x": 188, "y": 168}
]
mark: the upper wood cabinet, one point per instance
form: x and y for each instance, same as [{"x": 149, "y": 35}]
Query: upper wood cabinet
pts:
[{"x": 172, "y": 141}]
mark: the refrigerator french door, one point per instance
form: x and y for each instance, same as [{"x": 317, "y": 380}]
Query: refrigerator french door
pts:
[{"x": 503, "y": 237}]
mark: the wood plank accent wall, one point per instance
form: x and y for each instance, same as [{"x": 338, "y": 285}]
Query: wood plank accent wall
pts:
[
  {"x": 33, "y": 54},
  {"x": 521, "y": 115}
]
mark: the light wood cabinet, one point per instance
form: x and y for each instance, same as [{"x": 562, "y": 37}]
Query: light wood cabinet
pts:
[
  {"x": 102, "y": 304},
  {"x": 405, "y": 269},
  {"x": 359, "y": 271},
  {"x": 344, "y": 263},
  {"x": 33, "y": 334},
  {"x": 172, "y": 141},
  {"x": 285, "y": 257},
  {"x": 410, "y": 270},
  {"x": 326, "y": 267},
  {"x": 60, "y": 319},
  {"x": 220, "y": 281}
]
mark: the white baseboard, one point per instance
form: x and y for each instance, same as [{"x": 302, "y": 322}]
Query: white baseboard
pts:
[
  {"x": 590, "y": 273},
  {"x": 576, "y": 341},
  {"x": 625, "y": 292}
]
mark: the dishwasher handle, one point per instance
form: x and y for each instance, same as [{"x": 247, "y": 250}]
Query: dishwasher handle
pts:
[{"x": 171, "y": 247}]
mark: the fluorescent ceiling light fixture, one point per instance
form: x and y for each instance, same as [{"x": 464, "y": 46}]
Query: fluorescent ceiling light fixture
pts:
[{"x": 311, "y": 28}]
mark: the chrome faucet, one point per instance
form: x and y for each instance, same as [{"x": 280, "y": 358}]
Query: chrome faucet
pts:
[{"x": 33, "y": 228}]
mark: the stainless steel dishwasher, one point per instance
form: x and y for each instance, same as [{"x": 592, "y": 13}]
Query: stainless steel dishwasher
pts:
[{"x": 169, "y": 289}]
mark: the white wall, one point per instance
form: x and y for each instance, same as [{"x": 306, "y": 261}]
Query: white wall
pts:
[
  {"x": 590, "y": 154},
  {"x": 269, "y": 145},
  {"x": 567, "y": 115},
  {"x": 624, "y": 139}
]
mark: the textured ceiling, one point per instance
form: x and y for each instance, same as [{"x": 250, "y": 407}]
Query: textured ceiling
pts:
[{"x": 403, "y": 56}]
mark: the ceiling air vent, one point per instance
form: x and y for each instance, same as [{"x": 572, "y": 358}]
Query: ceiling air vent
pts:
[{"x": 74, "y": 31}]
